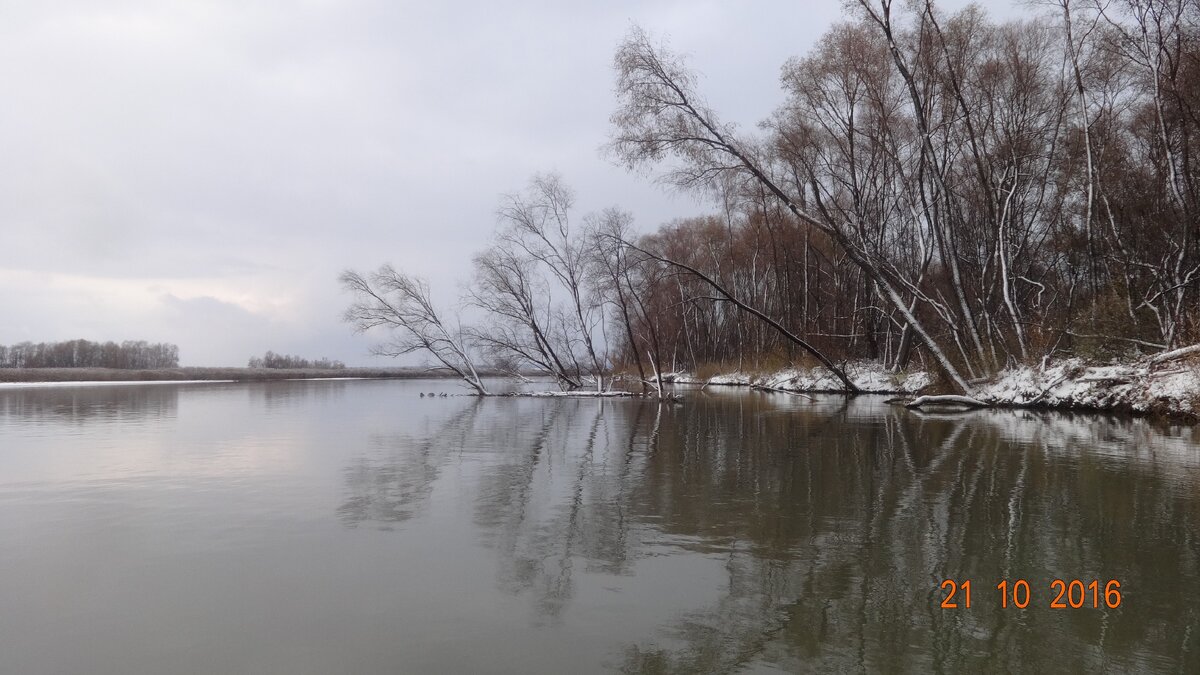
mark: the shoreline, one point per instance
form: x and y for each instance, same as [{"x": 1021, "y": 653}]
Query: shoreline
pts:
[
  {"x": 51, "y": 376},
  {"x": 1138, "y": 388}
]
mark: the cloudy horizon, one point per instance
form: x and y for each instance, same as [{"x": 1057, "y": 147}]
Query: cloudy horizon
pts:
[{"x": 200, "y": 173}]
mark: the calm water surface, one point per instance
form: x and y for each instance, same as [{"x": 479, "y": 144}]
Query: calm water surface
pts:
[{"x": 355, "y": 527}]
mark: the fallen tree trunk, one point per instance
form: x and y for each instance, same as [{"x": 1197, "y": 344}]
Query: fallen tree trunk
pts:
[
  {"x": 1174, "y": 354},
  {"x": 946, "y": 399},
  {"x": 777, "y": 390}
]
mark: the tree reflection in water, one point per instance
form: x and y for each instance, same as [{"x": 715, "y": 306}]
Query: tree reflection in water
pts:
[
  {"x": 563, "y": 500},
  {"x": 835, "y": 522},
  {"x": 83, "y": 405},
  {"x": 391, "y": 484}
]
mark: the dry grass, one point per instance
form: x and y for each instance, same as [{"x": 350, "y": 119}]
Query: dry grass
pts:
[
  {"x": 708, "y": 370},
  {"x": 759, "y": 365},
  {"x": 237, "y": 374}
]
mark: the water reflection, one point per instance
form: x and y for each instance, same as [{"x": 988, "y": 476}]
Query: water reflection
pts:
[
  {"x": 391, "y": 482},
  {"x": 84, "y": 404},
  {"x": 357, "y": 527},
  {"x": 292, "y": 394},
  {"x": 558, "y": 498},
  {"x": 841, "y": 540},
  {"x": 832, "y": 523}
]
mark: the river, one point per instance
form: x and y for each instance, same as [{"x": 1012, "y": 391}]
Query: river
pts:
[{"x": 359, "y": 527}]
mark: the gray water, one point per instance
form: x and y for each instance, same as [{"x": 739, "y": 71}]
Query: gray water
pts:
[{"x": 355, "y": 527}]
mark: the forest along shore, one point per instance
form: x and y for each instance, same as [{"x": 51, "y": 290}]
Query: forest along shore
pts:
[
  {"x": 199, "y": 373},
  {"x": 1143, "y": 387}
]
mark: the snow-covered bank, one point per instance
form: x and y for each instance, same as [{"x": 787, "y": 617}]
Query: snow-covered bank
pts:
[
  {"x": 580, "y": 393},
  {"x": 1162, "y": 388},
  {"x": 1071, "y": 384},
  {"x": 868, "y": 376}
]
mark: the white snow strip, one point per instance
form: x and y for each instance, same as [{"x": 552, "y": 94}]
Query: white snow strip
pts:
[
  {"x": 101, "y": 383},
  {"x": 1068, "y": 384},
  {"x": 1072, "y": 384},
  {"x": 574, "y": 394},
  {"x": 868, "y": 376}
]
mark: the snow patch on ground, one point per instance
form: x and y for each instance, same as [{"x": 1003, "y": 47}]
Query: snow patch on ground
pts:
[
  {"x": 734, "y": 378},
  {"x": 870, "y": 377},
  {"x": 578, "y": 393},
  {"x": 1172, "y": 388},
  {"x": 680, "y": 377}
]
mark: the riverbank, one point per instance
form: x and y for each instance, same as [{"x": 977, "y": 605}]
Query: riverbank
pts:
[
  {"x": 870, "y": 377},
  {"x": 1170, "y": 388},
  {"x": 208, "y": 374}
]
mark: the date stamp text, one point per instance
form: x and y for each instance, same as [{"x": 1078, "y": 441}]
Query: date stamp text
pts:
[{"x": 1062, "y": 594}]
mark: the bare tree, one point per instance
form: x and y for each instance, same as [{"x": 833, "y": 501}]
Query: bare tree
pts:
[
  {"x": 615, "y": 270},
  {"x": 660, "y": 115},
  {"x": 537, "y": 222},
  {"x": 402, "y": 304},
  {"x": 520, "y": 321}
]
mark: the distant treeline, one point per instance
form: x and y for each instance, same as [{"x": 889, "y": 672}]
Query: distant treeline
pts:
[
  {"x": 129, "y": 354},
  {"x": 273, "y": 360}
]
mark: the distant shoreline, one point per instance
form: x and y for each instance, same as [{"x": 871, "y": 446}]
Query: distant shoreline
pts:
[{"x": 212, "y": 374}]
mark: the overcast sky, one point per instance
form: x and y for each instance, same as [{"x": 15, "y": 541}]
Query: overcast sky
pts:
[{"x": 200, "y": 172}]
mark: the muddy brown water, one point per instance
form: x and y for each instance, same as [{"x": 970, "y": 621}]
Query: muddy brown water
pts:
[{"x": 356, "y": 527}]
